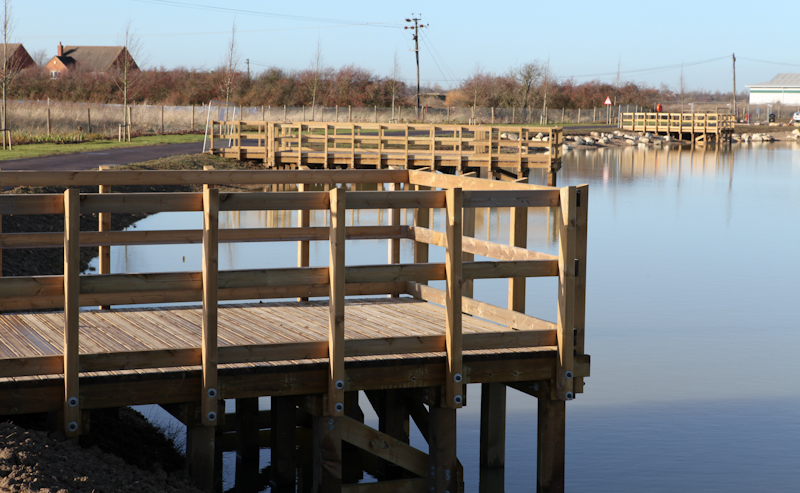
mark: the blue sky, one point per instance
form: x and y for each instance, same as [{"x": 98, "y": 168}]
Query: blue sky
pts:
[{"x": 582, "y": 39}]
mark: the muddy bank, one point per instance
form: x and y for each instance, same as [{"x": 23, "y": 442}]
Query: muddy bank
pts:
[{"x": 32, "y": 461}]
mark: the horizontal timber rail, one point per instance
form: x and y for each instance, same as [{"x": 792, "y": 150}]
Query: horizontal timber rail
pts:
[
  {"x": 414, "y": 337},
  {"x": 350, "y": 145},
  {"x": 680, "y": 124}
]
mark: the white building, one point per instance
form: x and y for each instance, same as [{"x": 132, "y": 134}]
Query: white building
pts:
[{"x": 783, "y": 89}]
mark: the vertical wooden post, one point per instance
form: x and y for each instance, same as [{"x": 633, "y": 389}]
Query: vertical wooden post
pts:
[
  {"x": 518, "y": 237},
  {"x": 247, "y": 444},
  {"x": 468, "y": 229},
  {"x": 581, "y": 225},
  {"x": 442, "y": 459},
  {"x": 200, "y": 454},
  {"x": 566, "y": 294},
  {"x": 89, "y": 119},
  {"x": 208, "y": 399},
  {"x": 422, "y": 219},
  {"x": 349, "y": 113},
  {"x": 49, "y": 128},
  {"x": 394, "y": 244},
  {"x": 130, "y": 122},
  {"x": 453, "y": 266},
  {"x": 104, "y": 224},
  {"x": 303, "y": 221},
  {"x": 162, "y": 120},
  {"x": 283, "y": 441},
  {"x": 550, "y": 445},
  {"x": 327, "y": 454},
  {"x": 336, "y": 375},
  {"x": 493, "y": 425},
  {"x": 192, "y": 127},
  {"x": 72, "y": 258}
]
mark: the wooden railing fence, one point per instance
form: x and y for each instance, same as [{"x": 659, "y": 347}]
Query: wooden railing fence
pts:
[{"x": 456, "y": 195}]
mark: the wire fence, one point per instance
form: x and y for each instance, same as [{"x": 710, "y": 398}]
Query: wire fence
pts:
[{"x": 40, "y": 117}]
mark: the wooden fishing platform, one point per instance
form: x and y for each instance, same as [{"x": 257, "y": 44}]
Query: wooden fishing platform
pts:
[
  {"x": 462, "y": 148},
  {"x": 411, "y": 350},
  {"x": 697, "y": 127}
]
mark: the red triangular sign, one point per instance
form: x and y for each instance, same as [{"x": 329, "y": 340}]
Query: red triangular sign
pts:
[{"x": 608, "y": 101}]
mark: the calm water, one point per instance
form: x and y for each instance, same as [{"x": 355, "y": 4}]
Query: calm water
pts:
[{"x": 693, "y": 305}]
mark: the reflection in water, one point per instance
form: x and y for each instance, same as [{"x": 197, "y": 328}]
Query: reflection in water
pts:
[{"x": 691, "y": 318}]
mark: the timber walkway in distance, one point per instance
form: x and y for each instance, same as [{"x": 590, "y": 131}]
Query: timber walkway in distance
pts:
[
  {"x": 697, "y": 127},
  {"x": 514, "y": 150},
  {"x": 410, "y": 351}
]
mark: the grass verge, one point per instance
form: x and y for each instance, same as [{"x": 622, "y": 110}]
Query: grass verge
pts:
[{"x": 50, "y": 149}]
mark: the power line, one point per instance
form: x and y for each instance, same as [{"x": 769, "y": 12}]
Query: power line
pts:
[
  {"x": 435, "y": 52},
  {"x": 769, "y": 62},
  {"x": 214, "y": 8},
  {"x": 373, "y": 24},
  {"x": 651, "y": 69}
]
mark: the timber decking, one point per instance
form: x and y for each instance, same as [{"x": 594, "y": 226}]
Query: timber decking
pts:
[{"x": 27, "y": 335}]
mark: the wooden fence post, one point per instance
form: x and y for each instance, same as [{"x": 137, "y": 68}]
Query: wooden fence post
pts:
[
  {"x": 209, "y": 397},
  {"x": 453, "y": 267},
  {"x": 49, "y": 128},
  {"x": 192, "y": 127},
  {"x": 394, "y": 244},
  {"x": 89, "y": 119},
  {"x": 162, "y": 120},
  {"x": 581, "y": 225},
  {"x": 72, "y": 258},
  {"x": 303, "y": 221},
  {"x": 104, "y": 224},
  {"x": 563, "y": 389},
  {"x": 336, "y": 380}
]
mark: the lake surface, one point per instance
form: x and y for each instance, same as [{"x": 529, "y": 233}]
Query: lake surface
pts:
[{"x": 692, "y": 318}]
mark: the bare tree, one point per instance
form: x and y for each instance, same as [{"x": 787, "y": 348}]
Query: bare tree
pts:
[
  {"x": 126, "y": 72},
  {"x": 317, "y": 68},
  {"x": 546, "y": 86},
  {"x": 394, "y": 81},
  {"x": 11, "y": 64},
  {"x": 528, "y": 77},
  {"x": 617, "y": 81},
  {"x": 40, "y": 57},
  {"x": 230, "y": 68}
]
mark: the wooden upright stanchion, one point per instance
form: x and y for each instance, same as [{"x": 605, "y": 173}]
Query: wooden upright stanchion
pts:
[
  {"x": 394, "y": 244},
  {"x": 443, "y": 464},
  {"x": 581, "y": 225},
  {"x": 209, "y": 396},
  {"x": 72, "y": 258},
  {"x": 563, "y": 389},
  {"x": 336, "y": 376},
  {"x": 303, "y": 221},
  {"x": 104, "y": 224},
  {"x": 453, "y": 268},
  {"x": 550, "y": 443}
]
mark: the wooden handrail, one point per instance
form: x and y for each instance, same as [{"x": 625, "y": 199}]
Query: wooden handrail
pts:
[{"x": 71, "y": 291}]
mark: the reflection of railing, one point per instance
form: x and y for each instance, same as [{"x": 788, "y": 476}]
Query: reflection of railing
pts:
[
  {"x": 325, "y": 145},
  {"x": 695, "y": 123},
  {"x": 458, "y": 197}
]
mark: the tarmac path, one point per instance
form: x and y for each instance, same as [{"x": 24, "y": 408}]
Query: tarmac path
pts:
[{"x": 91, "y": 160}]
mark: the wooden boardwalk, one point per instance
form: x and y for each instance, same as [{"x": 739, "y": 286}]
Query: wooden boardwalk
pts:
[
  {"x": 411, "y": 350},
  {"x": 362, "y": 145},
  {"x": 697, "y": 127}
]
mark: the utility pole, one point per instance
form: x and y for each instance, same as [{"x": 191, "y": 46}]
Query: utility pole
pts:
[
  {"x": 733, "y": 55},
  {"x": 416, "y": 27},
  {"x": 248, "y": 67}
]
